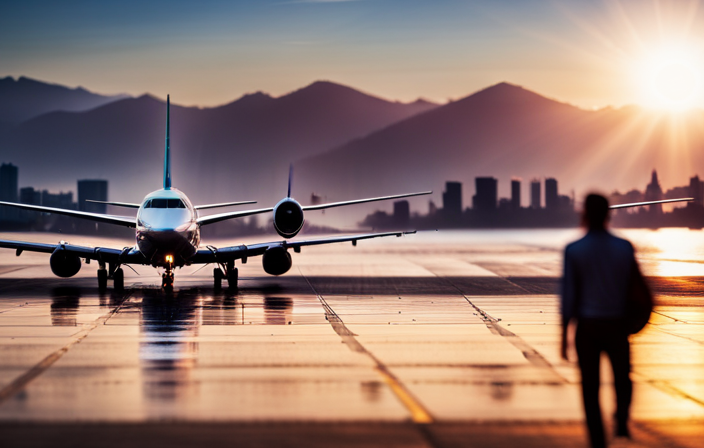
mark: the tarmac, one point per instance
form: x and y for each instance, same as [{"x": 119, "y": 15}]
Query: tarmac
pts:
[{"x": 446, "y": 339}]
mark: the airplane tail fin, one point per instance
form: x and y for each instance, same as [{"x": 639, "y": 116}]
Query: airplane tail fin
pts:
[
  {"x": 290, "y": 179},
  {"x": 167, "y": 149}
]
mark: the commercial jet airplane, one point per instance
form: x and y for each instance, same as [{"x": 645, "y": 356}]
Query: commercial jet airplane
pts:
[{"x": 168, "y": 235}]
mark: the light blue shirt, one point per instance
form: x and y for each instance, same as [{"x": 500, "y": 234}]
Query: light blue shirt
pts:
[{"x": 596, "y": 276}]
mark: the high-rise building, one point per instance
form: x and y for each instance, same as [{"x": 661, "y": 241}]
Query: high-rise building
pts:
[
  {"x": 696, "y": 190},
  {"x": 452, "y": 201},
  {"x": 653, "y": 192},
  {"x": 486, "y": 196},
  {"x": 552, "y": 202},
  {"x": 96, "y": 190},
  {"x": 535, "y": 193},
  {"x": 515, "y": 194},
  {"x": 8, "y": 191},
  {"x": 58, "y": 200},
  {"x": 29, "y": 195},
  {"x": 402, "y": 213}
]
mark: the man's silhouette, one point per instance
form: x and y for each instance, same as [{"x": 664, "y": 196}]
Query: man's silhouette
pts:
[{"x": 595, "y": 287}]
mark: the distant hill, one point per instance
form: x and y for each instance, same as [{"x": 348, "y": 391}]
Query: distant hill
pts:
[
  {"x": 26, "y": 98},
  {"x": 237, "y": 151},
  {"x": 506, "y": 131}
]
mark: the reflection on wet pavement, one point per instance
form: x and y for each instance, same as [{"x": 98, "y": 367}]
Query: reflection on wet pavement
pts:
[{"x": 463, "y": 329}]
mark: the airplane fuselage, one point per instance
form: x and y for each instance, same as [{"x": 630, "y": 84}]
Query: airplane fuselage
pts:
[{"x": 167, "y": 233}]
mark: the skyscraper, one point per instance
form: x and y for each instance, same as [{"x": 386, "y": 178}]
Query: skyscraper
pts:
[
  {"x": 515, "y": 194},
  {"x": 8, "y": 191},
  {"x": 535, "y": 193},
  {"x": 552, "y": 202},
  {"x": 487, "y": 193},
  {"x": 452, "y": 201},
  {"x": 653, "y": 192},
  {"x": 402, "y": 213},
  {"x": 96, "y": 190}
]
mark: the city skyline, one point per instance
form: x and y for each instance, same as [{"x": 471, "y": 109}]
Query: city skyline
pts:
[{"x": 587, "y": 54}]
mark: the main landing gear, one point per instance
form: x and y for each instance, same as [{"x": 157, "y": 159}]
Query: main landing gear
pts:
[
  {"x": 231, "y": 274},
  {"x": 114, "y": 272}
]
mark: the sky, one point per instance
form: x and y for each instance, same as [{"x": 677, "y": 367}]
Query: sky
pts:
[{"x": 591, "y": 54}]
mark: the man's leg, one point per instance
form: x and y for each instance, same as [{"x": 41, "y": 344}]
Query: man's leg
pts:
[
  {"x": 588, "y": 352},
  {"x": 620, "y": 356}
]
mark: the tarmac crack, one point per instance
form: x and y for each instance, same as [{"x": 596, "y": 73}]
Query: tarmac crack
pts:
[{"x": 21, "y": 382}]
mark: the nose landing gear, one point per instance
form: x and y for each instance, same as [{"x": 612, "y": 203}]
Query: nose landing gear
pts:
[{"x": 167, "y": 278}]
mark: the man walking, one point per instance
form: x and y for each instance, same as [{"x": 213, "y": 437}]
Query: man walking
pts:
[{"x": 597, "y": 276}]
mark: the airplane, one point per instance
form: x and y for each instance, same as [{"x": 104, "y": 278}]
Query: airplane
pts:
[{"x": 168, "y": 234}]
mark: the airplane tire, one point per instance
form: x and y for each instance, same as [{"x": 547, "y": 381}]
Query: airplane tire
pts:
[
  {"x": 102, "y": 279},
  {"x": 217, "y": 278},
  {"x": 119, "y": 279},
  {"x": 232, "y": 278}
]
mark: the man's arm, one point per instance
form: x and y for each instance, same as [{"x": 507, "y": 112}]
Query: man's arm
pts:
[{"x": 567, "y": 301}]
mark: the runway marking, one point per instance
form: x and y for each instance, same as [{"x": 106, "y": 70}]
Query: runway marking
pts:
[
  {"x": 419, "y": 414},
  {"x": 19, "y": 383}
]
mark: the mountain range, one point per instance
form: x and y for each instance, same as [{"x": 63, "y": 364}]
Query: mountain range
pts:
[
  {"x": 25, "y": 98},
  {"x": 239, "y": 150},
  {"x": 346, "y": 144}
]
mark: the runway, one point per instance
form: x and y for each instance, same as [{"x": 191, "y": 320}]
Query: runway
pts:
[{"x": 438, "y": 340}]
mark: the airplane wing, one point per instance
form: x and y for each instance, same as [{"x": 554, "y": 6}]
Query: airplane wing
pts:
[
  {"x": 225, "y": 254},
  {"x": 361, "y": 201},
  {"x": 128, "y": 255},
  {"x": 125, "y": 221},
  {"x": 642, "y": 204}
]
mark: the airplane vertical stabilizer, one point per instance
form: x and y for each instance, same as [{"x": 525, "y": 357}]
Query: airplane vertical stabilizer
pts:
[
  {"x": 167, "y": 150},
  {"x": 290, "y": 179}
]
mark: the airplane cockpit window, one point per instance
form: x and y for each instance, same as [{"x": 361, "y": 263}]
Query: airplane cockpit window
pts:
[
  {"x": 165, "y": 203},
  {"x": 176, "y": 203}
]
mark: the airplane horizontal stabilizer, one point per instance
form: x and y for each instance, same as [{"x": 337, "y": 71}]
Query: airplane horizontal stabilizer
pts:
[
  {"x": 117, "y": 204},
  {"x": 223, "y": 204}
]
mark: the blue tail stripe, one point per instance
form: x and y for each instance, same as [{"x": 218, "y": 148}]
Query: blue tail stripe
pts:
[{"x": 167, "y": 150}]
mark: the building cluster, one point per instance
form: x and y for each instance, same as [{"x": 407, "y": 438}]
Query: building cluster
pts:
[
  {"x": 546, "y": 207},
  {"x": 12, "y": 218}
]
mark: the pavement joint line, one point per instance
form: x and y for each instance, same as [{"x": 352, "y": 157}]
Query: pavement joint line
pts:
[
  {"x": 528, "y": 352},
  {"x": 19, "y": 383},
  {"x": 668, "y": 388},
  {"x": 419, "y": 414}
]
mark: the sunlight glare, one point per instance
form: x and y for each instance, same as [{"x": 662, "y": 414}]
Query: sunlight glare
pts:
[{"x": 670, "y": 79}]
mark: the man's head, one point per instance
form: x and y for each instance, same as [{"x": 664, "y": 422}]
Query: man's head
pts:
[{"x": 596, "y": 212}]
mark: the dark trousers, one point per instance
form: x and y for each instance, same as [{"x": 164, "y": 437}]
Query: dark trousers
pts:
[{"x": 593, "y": 337}]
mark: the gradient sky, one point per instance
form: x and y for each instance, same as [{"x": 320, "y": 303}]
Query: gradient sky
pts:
[{"x": 211, "y": 52}]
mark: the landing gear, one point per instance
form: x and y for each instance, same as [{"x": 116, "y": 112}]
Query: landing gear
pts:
[
  {"x": 232, "y": 277},
  {"x": 217, "y": 279},
  {"x": 167, "y": 280},
  {"x": 231, "y": 274},
  {"x": 118, "y": 278},
  {"x": 102, "y": 279}
]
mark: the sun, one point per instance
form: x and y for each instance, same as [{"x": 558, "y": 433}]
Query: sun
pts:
[{"x": 670, "y": 79}]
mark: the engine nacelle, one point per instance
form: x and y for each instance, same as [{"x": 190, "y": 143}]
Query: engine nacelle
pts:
[
  {"x": 276, "y": 261},
  {"x": 64, "y": 264},
  {"x": 288, "y": 218}
]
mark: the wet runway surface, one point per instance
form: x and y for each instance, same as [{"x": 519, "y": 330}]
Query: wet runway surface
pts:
[{"x": 433, "y": 340}]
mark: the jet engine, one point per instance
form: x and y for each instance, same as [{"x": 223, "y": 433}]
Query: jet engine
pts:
[
  {"x": 64, "y": 264},
  {"x": 276, "y": 260},
  {"x": 288, "y": 218}
]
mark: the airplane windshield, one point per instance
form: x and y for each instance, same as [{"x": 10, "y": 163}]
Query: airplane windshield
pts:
[{"x": 165, "y": 203}]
